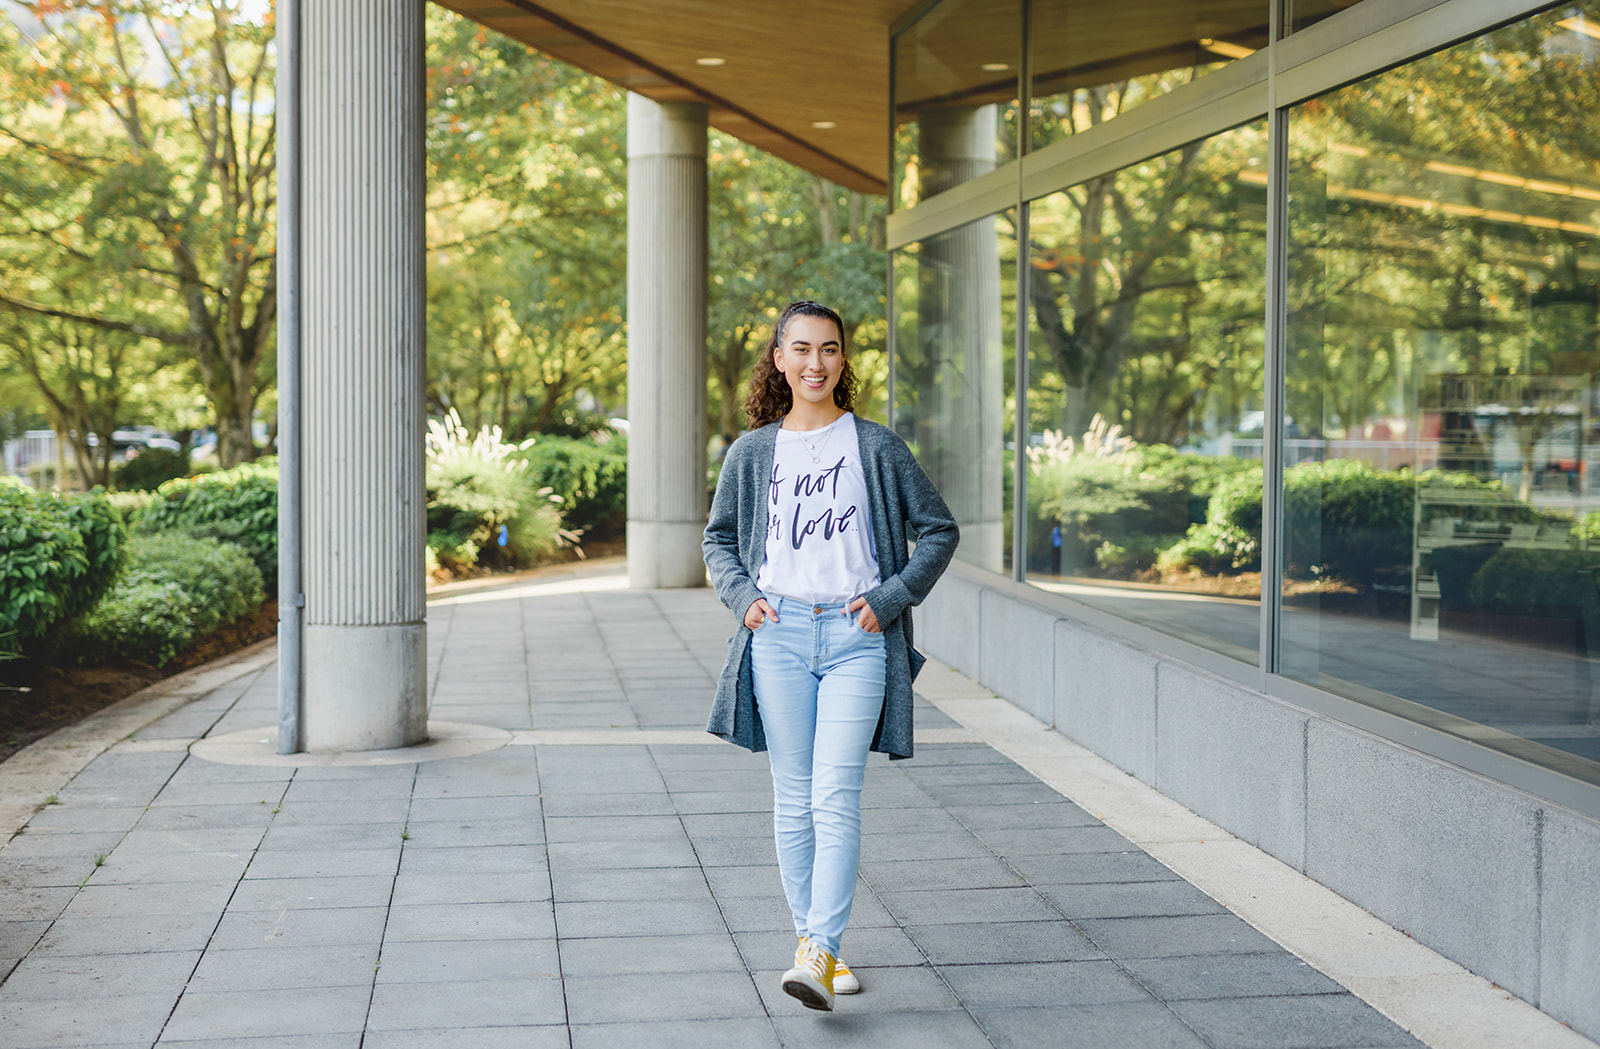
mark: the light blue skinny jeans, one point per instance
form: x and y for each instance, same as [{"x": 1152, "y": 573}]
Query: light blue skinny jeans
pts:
[{"x": 819, "y": 683}]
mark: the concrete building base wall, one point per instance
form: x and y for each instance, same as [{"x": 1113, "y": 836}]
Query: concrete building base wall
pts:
[{"x": 1493, "y": 878}]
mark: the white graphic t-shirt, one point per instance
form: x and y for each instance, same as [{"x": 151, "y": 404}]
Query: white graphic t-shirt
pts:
[{"x": 819, "y": 537}]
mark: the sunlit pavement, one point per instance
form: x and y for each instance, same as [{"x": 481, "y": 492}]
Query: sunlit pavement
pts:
[{"x": 575, "y": 863}]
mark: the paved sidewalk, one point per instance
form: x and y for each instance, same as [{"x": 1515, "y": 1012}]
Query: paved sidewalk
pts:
[{"x": 604, "y": 876}]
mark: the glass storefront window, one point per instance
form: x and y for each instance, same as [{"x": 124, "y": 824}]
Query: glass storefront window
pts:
[
  {"x": 1442, "y": 483},
  {"x": 955, "y": 96},
  {"x": 1093, "y": 61},
  {"x": 955, "y": 304},
  {"x": 1145, "y": 391}
]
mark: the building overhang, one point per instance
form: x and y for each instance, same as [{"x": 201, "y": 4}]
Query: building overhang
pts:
[{"x": 806, "y": 82}]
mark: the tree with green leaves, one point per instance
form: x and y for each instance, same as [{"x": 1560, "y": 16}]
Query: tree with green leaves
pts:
[{"x": 136, "y": 184}]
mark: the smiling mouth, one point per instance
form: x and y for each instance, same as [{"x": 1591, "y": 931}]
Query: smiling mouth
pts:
[{"x": 815, "y": 382}]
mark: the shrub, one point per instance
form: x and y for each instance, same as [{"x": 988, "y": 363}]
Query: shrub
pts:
[
  {"x": 1523, "y": 581},
  {"x": 482, "y": 505},
  {"x": 238, "y": 506},
  {"x": 1342, "y": 519},
  {"x": 589, "y": 474},
  {"x": 150, "y": 469},
  {"x": 177, "y": 590},
  {"x": 58, "y": 554}
]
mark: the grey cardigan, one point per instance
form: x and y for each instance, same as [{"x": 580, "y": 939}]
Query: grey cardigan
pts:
[{"x": 898, "y": 494}]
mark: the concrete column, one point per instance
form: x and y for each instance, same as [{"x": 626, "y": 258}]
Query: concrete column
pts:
[
  {"x": 362, "y": 315},
  {"x": 666, "y": 342},
  {"x": 961, "y": 435}
]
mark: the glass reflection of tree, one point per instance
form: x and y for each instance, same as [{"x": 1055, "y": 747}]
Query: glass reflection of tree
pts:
[{"x": 1146, "y": 281}]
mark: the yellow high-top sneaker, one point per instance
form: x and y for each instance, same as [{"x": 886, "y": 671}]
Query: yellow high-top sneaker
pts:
[{"x": 811, "y": 979}]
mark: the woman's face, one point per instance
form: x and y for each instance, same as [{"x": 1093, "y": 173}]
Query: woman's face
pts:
[{"x": 811, "y": 358}]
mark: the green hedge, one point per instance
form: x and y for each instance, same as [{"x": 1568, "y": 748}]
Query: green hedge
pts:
[
  {"x": 150, "y": 469},
  {"x": 591, "y": 478},
  {"x": 1523, "y": 581},
  {"x": 58, "y": 554},
  {"x": 238, "y": 506},
  {"x": 176, "y": 590},
  {"x": 1343, "y": 519}
]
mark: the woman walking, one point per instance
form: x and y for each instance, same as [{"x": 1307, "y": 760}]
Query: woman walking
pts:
[{"x": 807, "y": 544}]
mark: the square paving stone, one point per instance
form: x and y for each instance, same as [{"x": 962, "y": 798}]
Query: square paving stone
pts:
[
  {"x": 1003, "y": 942},
  {"x": 1036, "y": 815},
  {"x": 958, "y": 775},
  {"x": 859, "y": 1024},
  {"x": 300, "y": 927},
  {"x": 492, "y": 887},
  {"x": 1080, "y": 867},
  {"x": 470, "y": 810},
  {"x": 359, "y": 784},
  {"x": 619, "y": 955},
  {"x": 1151, "y": 899},
  {"x": 631, "y": 918},
  {"x": 736, "y": 852},
  {"x": 324, "y": 813},
  {"x": 715, "y": 755},
  {"x": 190, "y": 794},
  {"x": 1120, "y": 1025},
  {"x": 1322, "y": 1021},
  {"x": 757, "y": 880},
  {"x": 768, "y": 913},
  {"x": 647, "y": 883},
  {"x": 949, "y": 906},
  {"x": 614, "y": 855},
  {"x": 312, "y": 893},
  {"x": 711, "y": 801},
  {"x": 978, "y": 794},
  {"x": 661, "y": 996},
  {"x": 931, "y": 821},
  {"x": 58, "y": 871},
  {"x": 258, "y": 1013},
  {"x": 918, "y": 846},
  {"x": 1042, "y": 983},
  {"x": 275, "y": 966},
  {"x": 676, "y": 1034},
  {"x": 75, "y": 819},
  {"x": 526, "y": 1037},
  {"x": 44, "y": 978},
  {"x": 331, "y": 837},
  {"x": 341, "y": 1040},
  {"x": 190, "y": 819},
  {"x": 934, "y": 754},
  {"x": 1096, "y": 837},
  {"x": 609, "y": 805},
  {"x": 966, "y": 873},
  {"x": 498, "y": 1003},
  {"x": 84, "y": 1021},
  {"x": 721, "y": 781},
  {"x": 595, "y": 782},
  {"x": 485, "y": 833},
  {"x": 322, "y": 863},
  {"x": 460, "y": 961},
  {"x": 612, "y": 828},
  {"x": 1229, "y": 976},
  {"x": 728, "y": 824},
  {"x": 475, "y": 859},
  {"x": 1173, "y": 937},
  {"x": 24, "y": 903},
  {"x": 132, "y": 901},
  {"x": 471, "y": 921},
  {"x": 141, "y": 934}
]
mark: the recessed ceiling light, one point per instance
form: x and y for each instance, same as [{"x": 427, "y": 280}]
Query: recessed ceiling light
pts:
[
  {"x": 1225, "y": 49},
  {"x": 994, "y": 67},
  {"x": 710, "y": 61},
  {"x": 824, "y": 125}
]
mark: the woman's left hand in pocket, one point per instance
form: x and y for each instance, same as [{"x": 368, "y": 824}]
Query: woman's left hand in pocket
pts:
[{"x": 865, "y": 617}]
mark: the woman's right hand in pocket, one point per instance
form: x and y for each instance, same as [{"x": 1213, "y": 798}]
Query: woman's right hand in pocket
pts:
[{"x": 758, "y": 613}]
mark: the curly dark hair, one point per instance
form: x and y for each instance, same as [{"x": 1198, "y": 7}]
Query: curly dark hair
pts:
[{"x": 770, "y": 398}]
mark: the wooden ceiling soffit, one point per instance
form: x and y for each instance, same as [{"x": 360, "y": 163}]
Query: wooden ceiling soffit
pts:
[{"x": 587, "y": 50}]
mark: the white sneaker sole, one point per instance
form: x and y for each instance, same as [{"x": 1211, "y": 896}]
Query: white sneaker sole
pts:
[{"x": 807, "y": 990}]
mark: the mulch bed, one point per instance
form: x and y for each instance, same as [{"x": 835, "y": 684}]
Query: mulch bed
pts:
[{"x": 59, "y": 695}]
